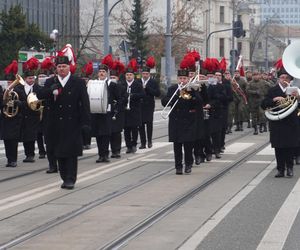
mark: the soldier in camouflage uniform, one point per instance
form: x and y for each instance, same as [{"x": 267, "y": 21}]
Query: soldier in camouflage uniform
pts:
[
  {"x": 267, "y": 85},
  {"x": 256, "y": 92},
  {"x": 248, "y": 80}
]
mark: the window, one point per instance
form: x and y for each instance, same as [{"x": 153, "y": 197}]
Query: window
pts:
[
  {"x": 222, "y": 14},
  {"x": 222, "y": 47}
]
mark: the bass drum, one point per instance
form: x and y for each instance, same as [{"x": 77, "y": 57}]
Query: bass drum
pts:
[{"x": 98, "y": 95}]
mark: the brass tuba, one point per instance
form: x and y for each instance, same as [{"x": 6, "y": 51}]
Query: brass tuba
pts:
[
  {"x": 34, "y": 103},
  {"x": 291, "y": 63},
  {"x": 10, "y": 96}
]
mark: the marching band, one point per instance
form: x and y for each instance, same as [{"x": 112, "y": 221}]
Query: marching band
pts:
[{"x": 206, "y": 102}]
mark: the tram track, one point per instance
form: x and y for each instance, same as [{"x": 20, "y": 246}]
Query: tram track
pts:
[
  {"x": 124, "y": 238},
  {"x": 144, "y": 224}
]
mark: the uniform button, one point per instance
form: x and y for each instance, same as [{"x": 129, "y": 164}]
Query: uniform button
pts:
[
  {"x": 69, "y": 92},
  {"x": 60, "y": 118},
  {"x": 70, "y": 105},
  {"x": 60, "y": 106}
]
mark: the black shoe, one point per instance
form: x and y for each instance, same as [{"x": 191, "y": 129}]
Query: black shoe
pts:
[
  {"x": 29, "y": 159},
  {"x": 248, "y": 125},
  {"x": 218, "y": 156},
  {"x": 133, "y": 149},
  {"x": 42, "y": 156},
  {"x": 208, "y": 157},
  {"x": 113, "y": 155},
  {"x": 197, "y": 160},
  {"x": 149, "y": 144},
  {"x": 51, "y": 171},
  {"x": 279, "y": 174},
  {"x": 237, "y": 128},
  {"x": 188, "y": 169},
  {"x": 67, "y": 185},
  {"x": 129, "y": 150},
  {"x": 255, "y": 131},
  {"x": 142, "y": 146},
  {"x": 12, "y": 164},
  {"x": 100, "y": 159},
  {"x": 179, "y": 171},
  {"x": 202, "y": 159},
  {"x": 289, "y": 172},
  {"x": 298, "y": 160},
  {"x": 265, "y": 128},
  {"x": 105, "y": 159}
]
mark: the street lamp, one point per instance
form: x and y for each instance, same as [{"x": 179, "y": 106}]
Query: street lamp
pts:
[{"x": 54, "y": 37}]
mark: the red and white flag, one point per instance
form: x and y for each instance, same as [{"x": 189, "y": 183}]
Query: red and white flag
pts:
[{"x": 240, "y": 66}]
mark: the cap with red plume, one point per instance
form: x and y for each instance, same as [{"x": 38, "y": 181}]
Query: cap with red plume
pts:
[
  {"x": 150, "y": 64},
  {"x": 47, "y": 65},
  {"x": 196, "y": 55},
  {"x": 211, "y": 65},
  {"x": 107, "y": 62},
  {"x": 117, "y": 69},
  {"x": 66, "y": 56},
  {"x": 280, "y": 68},
  {"x": 30, "y": 66},
  {"x": 223, "y": 65},
  {"x": 87, "y": 69},
  {"x": 132, "y": 66},
  {"x": 188, "y": 62},
  {"x": 11, "y": 70}
]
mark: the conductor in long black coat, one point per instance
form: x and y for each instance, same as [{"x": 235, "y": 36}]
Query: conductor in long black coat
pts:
[
  {"x": 69, "y": 113},
  {"x": 133, "y": 116},
  {"x": 284, "y": 133},
  {"x": 151, "y": 88},
  {"x": 30, "y": 118},
  {"x": 183, "y": 121}
]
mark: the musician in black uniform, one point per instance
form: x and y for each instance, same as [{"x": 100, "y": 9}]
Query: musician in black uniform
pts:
[
  {"x": 183, "y": 120},
  {"x": 284, "y": 133},
  {"x": 30, "y": 118},
  {"x": 101, "y": 123},
  {"x": 152, "y": 90},
  {"x": 11, "y": 122},
  {"x": 133, "y": 117},
  {"x": 118, "y": 116},
  {"x": 69, "y": 113}
]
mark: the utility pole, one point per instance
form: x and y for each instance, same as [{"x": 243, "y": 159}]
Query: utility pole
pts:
[
  {"x": 266, "y": 50},
  {"x": 168, "y": 47},
  {"x": 232, "y": 39},
  {"x": 106, "y": 28}
]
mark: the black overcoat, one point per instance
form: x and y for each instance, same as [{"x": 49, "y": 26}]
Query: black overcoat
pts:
[
  {"x": 10, "y": 126},
  {"x": 184, "y": 118},
  {"x": 67, "y": 113},
  {"x": 284, "y": 133},
  {"x": 133, "y": 116},
  {"x": 102, "y": 123},
  {"x": 217, "y": 97},
  {"x": 119, "y": 109},
  {"x": 30, "y": 119},
  {"x": 148, "y": 101}
]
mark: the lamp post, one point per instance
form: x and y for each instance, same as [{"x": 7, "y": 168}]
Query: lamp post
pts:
[
  {"x": 168, "y": 48},
  {"x": 54, "y": 37}
]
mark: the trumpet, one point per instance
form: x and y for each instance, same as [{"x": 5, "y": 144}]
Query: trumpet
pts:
[{"x": 128, "y": 101}]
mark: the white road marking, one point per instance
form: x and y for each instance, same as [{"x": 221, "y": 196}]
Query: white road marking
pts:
[
  {"x": 158, "y": 160},
  {"x": 280, "y": 227},
  {"x": 205, "y": 229},
  {"x": 268, "y": 150},
  {"x": 258, "y": 162},
  {"x": 33, "y": 194},
  {"x": 237, "y": 147}
]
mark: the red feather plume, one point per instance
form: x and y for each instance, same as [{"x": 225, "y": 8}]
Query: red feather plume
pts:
[
  {"x": 211, "y": 64},
  {"x": 119, "y": 67},
  {"x": 150, "y": 62},
  {"x": 132, "y": 64},
  {"x": 73, "y": 68},
  {"x": 87, "y": 69},
  {"x": 11, "y": 68},
  {"x": 223, "y": 64},
  {"x": 278, "y": 65},
  {"x": 31, "y": 64},
  {"x": 108, "y": 61},
  {"x": 47, "y": 63},
  {"x": 196, "y": 55}
]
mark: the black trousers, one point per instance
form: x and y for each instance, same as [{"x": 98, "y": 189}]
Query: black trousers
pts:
[
  {"x": 11, "y": 150},
  {"x": 51, "y": 158},
  {"x": 29, "y": 148},
  {"x": 146, "y": 126},
  {"x": 86, "y": 138},
  {"x": 115, "y": 142},
  {"x": 40, "y": 142},
  {"x": 131, "y": 135},
  {"x": 68, "y": 169},
  {"x": 216, "y": 138},
  {"x": 188, "y": 153},
  {"x": 103, "y": 145},
  {"x": 284, "y": 158}
]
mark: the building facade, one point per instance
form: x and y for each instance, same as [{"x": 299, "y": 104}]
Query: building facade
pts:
[{"x": 48, "y": 15}]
